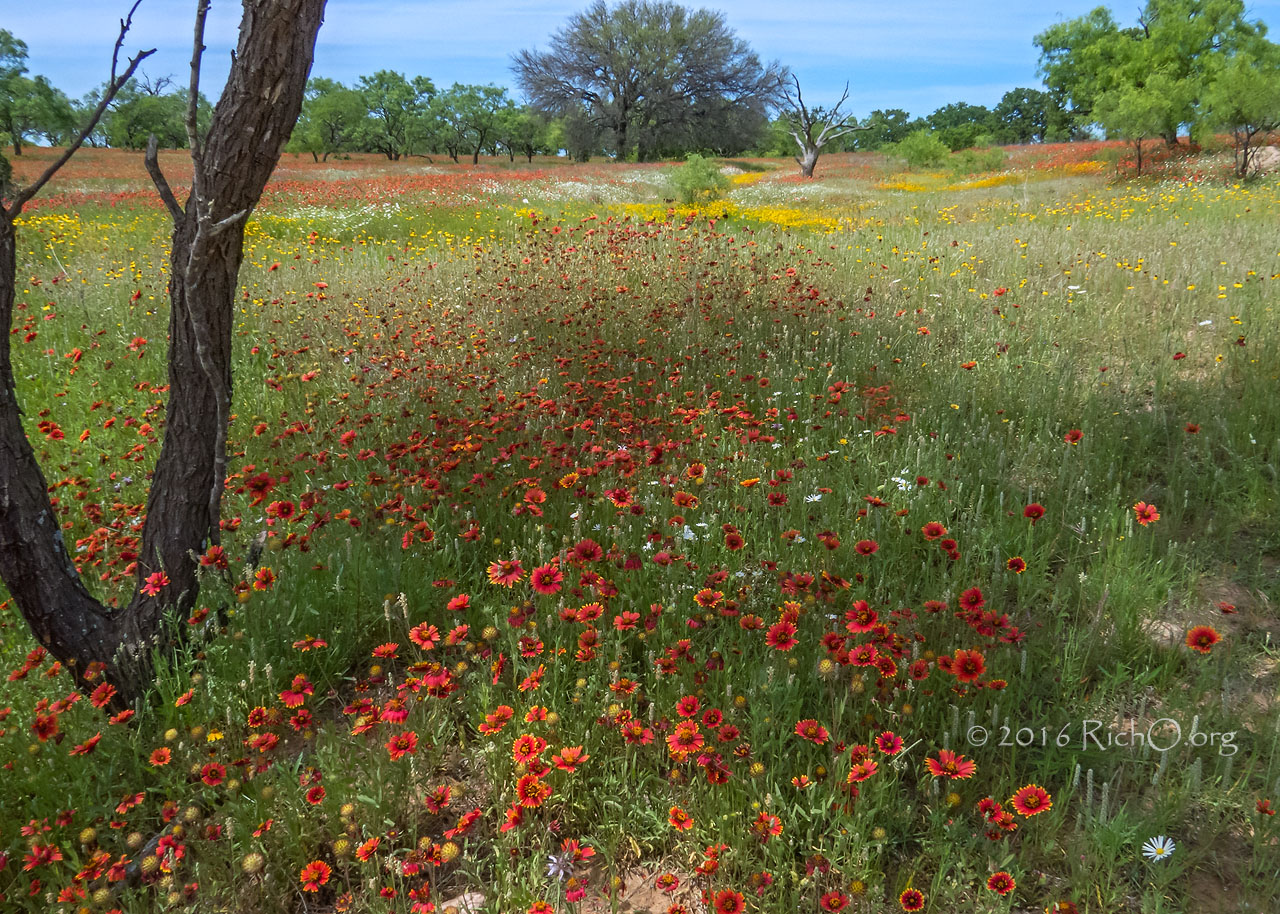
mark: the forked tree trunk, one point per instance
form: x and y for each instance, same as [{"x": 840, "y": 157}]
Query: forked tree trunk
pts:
[
  {"x": 250, "y": 126},
  {"x": 807, "y": 160}
]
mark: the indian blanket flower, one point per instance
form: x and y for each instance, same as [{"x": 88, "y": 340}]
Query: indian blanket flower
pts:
[
  {"x": 889, "y": 743},
  {"x": 1073, "y": 437},
  {"x": 1145, "y": 513},
  {"x": 1202, "y": 638},
  {"x": 911, "y": 900},
  {"x": 546, "y": 579},
  {"x": 1031, "y": 800},
  {"x": 506, "y": 572},
  {"x": 813, "y": 731},
  {"x": 679, "y": 819},
  {"x": 156, "y": 582},
  {"x": 952, "y": 765},
  {"x": 1033, "y": 512},
  {"x": 1001, "y": 883},
  {"x": 313, "y": 875},
  {"x": 402, "y": 744},
  {"x": 728, "y": 901}
]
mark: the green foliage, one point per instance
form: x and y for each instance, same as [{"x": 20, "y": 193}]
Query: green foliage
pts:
[
  {"x": 30, "y": 107},
  {"x": 1028, "y": 116},
  {"x": 698, "y": 180},
  {"x": 960, "y": 125},
  {"x": 1102, "y": 70},
  {"x": 977, "y": 161},
  {"x": 922, "y": 149},
  {"x": 144, "y": 108},
  {"x": 331, "y": 118},
  {"x": 398, "y": 112},
  {"x": 885, "y": 127},
  {"x": 1244, "y": 99},
  {"x": 657, "y": 78}
]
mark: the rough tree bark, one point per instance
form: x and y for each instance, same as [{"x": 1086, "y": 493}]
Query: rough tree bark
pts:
[{"x": 250, "y": 125}]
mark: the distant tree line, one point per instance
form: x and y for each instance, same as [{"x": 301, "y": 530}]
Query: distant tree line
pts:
[{"x": 649, "y": 79}]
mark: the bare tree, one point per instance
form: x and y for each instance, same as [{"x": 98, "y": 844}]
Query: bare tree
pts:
[
  {"x": 813, "y": 128},
  {"x": 250, "y": 125}
]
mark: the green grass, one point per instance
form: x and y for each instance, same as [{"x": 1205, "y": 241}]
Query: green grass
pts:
[{"x": 499, "y": 371}]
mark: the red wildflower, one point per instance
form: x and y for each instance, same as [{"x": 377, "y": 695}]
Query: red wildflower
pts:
[
  {"x": 813, "y": 731},
  {"x": 401, "y": 744},
  {"x": 532, "y": 791},
  {"x": 313, "y": 875},
  {"x": 727, "y": 901},
  {"x": 1202, "y": 638},
  {"x": 546, "y": 579},
  {"x": 155, "y": 583},
  {"x": 1001, "y": 883},
  {"x": 951, "y": 764},
  {"x": 911, "y": 900},
  {"x": 679, "y": 819},
  {"x": 1145, "y": 513},
  {"x": 1031, "y": 800},
  {"x": 1033, "y": 512},
  {"x": 781, "y": 636},
  {"x": 834, "y": 900},
  {"x": 506, "y": 572}
]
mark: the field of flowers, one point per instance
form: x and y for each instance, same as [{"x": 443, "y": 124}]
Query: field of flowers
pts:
[{"x": 871, "y": 544}]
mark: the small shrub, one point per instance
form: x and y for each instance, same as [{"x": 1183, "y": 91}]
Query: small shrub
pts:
[
  {"x": 978, "y": 161},
  {"x": 922, "y": 149},
  {"x": 698, "y": 180}
]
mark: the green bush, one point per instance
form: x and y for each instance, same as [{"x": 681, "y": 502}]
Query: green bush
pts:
[
  {"x": 698, "y": 179},
  {"x": 977, "y": 161},
  {"x": 922, "y": 149}
]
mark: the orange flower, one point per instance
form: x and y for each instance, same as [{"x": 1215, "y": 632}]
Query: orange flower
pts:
[
  {"x": 1202, "y": 638},
  {"x": 161, "y": 757},
  {"x": 1145, "y": 513},
  {"x": 313, "y": 875}
]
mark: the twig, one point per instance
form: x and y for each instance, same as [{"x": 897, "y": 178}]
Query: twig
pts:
[
  {"x": 158, "y": 179},
  {"x": 114, "y": 85}
]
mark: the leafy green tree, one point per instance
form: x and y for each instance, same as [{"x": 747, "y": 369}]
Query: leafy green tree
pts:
[
  {"x": 1244, "y": 98},
  {"x": 397, "y": 110},
  {"x": 648, "y": 71},
  {"x": 524, "y": 131},
  {"x": 961, "y": 125},
  {"x": 1026, "y": 115},
  {"x": 471, "y": 116},
  {"x": 13, "y": 66},
  {"x": 1184, "y": 42},
  {"x": 698, "y": 180},
  {"x": 577, "y": 134},
  {"x": 884, "y": 127},
  {"x": 1142, "y": 112},
  {"x": 332, "y": 115},
  {"x": 30, "y": 107}
]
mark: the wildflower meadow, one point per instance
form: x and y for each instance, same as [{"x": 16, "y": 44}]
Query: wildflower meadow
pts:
[{"x": 890, "y": 541}]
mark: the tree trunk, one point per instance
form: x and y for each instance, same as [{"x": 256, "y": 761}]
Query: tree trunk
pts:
[
  {"x": 249, "y": 128},
  {"x": 807, "y": 160}
]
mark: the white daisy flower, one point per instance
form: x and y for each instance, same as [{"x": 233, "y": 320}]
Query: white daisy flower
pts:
[{"x": 1158, "y": 848}]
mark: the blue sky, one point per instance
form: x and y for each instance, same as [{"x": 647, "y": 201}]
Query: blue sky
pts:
[{"x": 913, "y": 54}]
